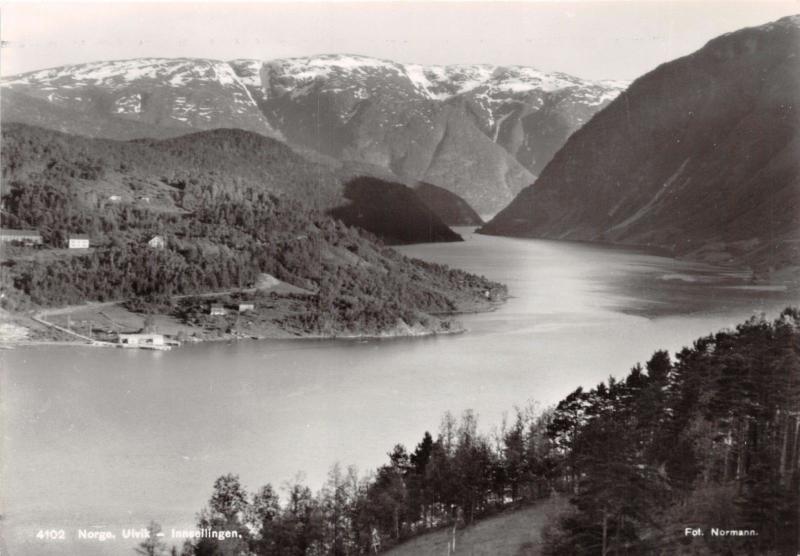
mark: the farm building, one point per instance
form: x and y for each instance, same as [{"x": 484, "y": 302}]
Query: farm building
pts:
[
  {"x": 217, "y": 309},
  {"x": 30, "y": 237},
  {"x": 78, "y": 241},
  {"x": 142, "y": 339},
  {"x": 243, "y": 307},
  {"x": 157, "y": 242}
]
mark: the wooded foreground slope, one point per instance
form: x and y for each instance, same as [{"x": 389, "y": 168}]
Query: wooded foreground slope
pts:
[{"x": 705, "y": 439}]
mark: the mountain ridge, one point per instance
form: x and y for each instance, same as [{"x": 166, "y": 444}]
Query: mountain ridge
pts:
[
  {"x": 480, "y": 131},
  {"x": 697, "y": 156}
]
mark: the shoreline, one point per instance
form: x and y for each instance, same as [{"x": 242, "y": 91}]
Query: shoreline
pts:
[
  {"x": 736, "y": 267},
  {"x": 401, "y": 331}
]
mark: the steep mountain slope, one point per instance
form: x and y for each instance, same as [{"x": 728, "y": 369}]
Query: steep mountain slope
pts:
[
  {"x": 154, "y": 174},
  {"x": 479, "y": 131},
  {"x": 529, "y": 112},
  {"x": 482, "y": 132},
  {"x": 699, "y": 156}
]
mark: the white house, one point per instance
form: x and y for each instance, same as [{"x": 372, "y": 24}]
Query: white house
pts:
[
  {"x": 78, "y": 241},
  {"x": 243, "y": 307},
  {"x": 217, "y": 310},
  {"x": 142, "y": 339},
  {"x": 157, "y": 242}
]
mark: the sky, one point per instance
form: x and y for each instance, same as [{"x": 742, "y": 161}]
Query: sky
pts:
[{"x": 589, "y": 39}]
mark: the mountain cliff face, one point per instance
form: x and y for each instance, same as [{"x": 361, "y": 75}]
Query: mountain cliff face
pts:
[
  {"x": 699, "y": 156},
  {"x": 482, "y": 132}
]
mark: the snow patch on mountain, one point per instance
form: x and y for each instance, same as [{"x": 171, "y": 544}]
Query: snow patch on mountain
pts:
[
  {"x": 305, "y": 70},
  {"x": 521, "y": 79},
  {"x": 130, "y": 104},
  {"x": 449, "y": 81},
  {"x": 182, "y": 109},
  {"x": 247, "y": 71},
  {"x": 416, "y": 74},
  {"x": 297, "y": 76},
  {"x": 121, "y": 73}
]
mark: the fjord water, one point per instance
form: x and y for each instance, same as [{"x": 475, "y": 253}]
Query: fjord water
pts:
[{"x": 108, "y": 439}]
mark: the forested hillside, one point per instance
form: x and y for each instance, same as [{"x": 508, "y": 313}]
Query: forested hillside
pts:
[
  {"x": 706, "y": 440},
  {"x": 151, "y": 173},
  {"x": 220, "y": 233},
  {"x": 451, "y": 208}
]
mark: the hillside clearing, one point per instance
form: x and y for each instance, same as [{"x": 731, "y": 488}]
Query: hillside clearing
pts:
[{"x": 516, "y": 533}]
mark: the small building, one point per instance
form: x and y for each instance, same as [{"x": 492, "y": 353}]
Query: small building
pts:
[
  {"x": 157, "y": 242},
  {"x": 115, "y": 198},
  {"x": 244, "y": 307},
  {"x": 142, "y": 339},
  {"x": 217, "y": 309},
  {"x": 78, "y": 241},
  {"x": 27, "y": 237}
]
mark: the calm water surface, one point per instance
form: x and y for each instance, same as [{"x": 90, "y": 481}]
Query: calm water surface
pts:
[{"x": 113, "y": 438}]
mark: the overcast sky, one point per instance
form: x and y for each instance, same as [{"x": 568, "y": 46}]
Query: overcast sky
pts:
[{"x": 596, "y": 40}]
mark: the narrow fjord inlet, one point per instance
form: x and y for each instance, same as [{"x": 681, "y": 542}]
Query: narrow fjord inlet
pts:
[{"x": 338, "y": 304}]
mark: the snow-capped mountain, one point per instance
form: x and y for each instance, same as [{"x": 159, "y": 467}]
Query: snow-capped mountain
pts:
[
  {"x": 480, "y": 131},
  {"x": 148, "y": 97},
  {"x": 483, "y": 132}
]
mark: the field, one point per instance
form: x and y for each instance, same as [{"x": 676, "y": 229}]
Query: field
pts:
[{"x": 515, "y": 533}]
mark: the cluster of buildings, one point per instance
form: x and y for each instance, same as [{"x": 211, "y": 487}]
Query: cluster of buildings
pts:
[
  {"x": 27, "y": 237},
  {"x": 33, "y": 237},
  {"x": 82, "y": 241},
  {"x": 74, "y": 241}
]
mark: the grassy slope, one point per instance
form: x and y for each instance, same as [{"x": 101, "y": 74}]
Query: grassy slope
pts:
[{"x": 514, "y": 533}]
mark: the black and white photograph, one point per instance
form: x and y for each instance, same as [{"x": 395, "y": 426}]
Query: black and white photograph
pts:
[{"x": 441, "y": 278}]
